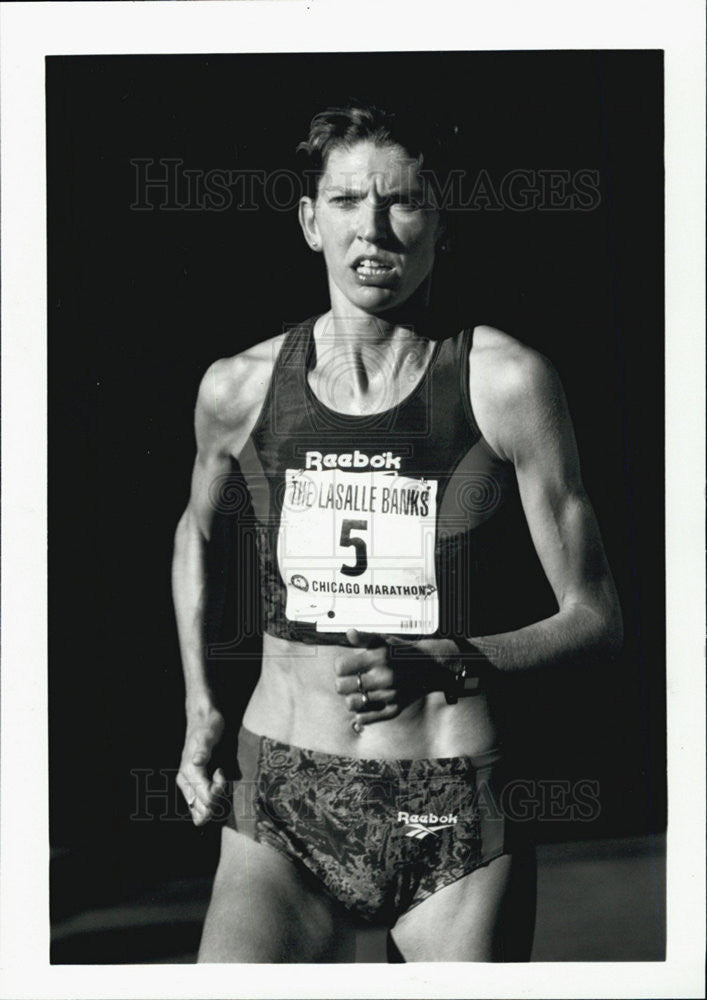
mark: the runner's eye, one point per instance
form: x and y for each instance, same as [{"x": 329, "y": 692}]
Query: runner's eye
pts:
[{"x": 345, "y": 199}]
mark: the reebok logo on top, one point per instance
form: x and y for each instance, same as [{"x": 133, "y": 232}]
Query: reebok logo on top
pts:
[{"x": 351, "y": 460}]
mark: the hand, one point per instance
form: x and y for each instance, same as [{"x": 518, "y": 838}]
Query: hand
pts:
[
  {"x": 204, "y": 795},
  {"x": 385, "y": 673}
]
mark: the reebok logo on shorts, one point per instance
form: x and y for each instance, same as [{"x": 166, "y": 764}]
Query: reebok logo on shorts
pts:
[{"x": 419, "y": 825}]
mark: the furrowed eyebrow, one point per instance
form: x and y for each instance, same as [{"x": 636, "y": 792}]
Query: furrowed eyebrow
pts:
[
  {"x": 335, "y": 189},
  {"x": 411, "y": 192}
]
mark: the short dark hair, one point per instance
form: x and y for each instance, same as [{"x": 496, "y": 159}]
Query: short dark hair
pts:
[{"x": 425, "y": 139}]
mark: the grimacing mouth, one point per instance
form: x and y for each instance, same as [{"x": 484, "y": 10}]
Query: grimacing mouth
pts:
[{"x": 373, "y": 260}]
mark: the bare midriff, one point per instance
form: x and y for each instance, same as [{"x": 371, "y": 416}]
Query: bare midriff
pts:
[{"x": 296, "y": 702}]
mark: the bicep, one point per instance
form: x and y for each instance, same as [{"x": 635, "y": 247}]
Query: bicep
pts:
[
  {"x": 216, "y": 431},
  {"x": 566, "y": 537},
  {"x": 560, "y": 517},
  {"x": 230, "y": 399},
  {"x": 209, "y": 481}
]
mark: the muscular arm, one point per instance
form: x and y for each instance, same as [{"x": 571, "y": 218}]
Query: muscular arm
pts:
[
  {"x": 213, "y": 436},
  {"x": 229, "y": 400},
  {"x": 523, "y": 415},
  {"x": 529, "y": 424}
]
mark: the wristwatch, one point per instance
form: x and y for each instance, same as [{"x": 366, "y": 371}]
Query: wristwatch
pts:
[{"x": 461, "y": 686}]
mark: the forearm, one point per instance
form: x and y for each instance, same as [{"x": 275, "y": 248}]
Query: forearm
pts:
[
  {"x": 576, "y": 634},
  {"x": 189, "y": 594}
]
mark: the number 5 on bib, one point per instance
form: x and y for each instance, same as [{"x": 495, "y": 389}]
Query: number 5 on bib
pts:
[{"x": 356, "y": 550}]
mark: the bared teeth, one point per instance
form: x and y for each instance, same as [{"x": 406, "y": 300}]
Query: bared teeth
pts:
[{"x": 371, "y": 266}]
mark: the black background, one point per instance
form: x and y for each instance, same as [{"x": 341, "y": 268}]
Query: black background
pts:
[{"x": 141, "y": 302}]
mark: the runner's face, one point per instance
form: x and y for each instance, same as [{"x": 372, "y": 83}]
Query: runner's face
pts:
[{"x": 371, "y": 222}]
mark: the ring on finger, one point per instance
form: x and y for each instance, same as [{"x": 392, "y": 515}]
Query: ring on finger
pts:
[
  {"x": 359, "y": 683},
  {"x": 365, "y": 700}
]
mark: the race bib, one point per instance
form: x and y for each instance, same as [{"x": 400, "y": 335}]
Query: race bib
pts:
[{"x": 356, "y": 550}]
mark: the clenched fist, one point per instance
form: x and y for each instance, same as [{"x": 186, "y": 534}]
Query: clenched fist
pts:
[
  {"x": 205, "y": 794},
  {"x": 384, "y": 673}
]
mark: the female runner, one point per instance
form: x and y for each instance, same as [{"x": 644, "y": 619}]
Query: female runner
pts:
[{"x": 381, "y": 461}]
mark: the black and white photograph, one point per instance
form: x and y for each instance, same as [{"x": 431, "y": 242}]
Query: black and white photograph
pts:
[{"x": 356, "y": 511}]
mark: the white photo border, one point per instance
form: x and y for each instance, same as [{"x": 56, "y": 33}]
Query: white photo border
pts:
[{"x": 32, "y": 31}]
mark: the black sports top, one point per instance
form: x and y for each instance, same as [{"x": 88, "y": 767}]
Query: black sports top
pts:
[{"x": 376, "y": 522}]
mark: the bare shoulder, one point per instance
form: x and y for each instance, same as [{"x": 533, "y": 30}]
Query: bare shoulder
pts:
[
  {"x": 232, "y": 392},
  {"x": 514, "y": 389}
]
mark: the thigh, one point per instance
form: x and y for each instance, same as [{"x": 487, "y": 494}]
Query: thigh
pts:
[
  {"x": 263, "y": 910},
  {"x": 486, "y": 916}
]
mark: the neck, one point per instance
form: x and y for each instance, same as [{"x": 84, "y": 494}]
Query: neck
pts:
[
  {"x": 366, "y": 362},
  {"x": 351, "y": 326}
]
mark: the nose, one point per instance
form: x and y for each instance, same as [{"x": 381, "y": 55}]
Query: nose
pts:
[{"x": 373, "y": 225}]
